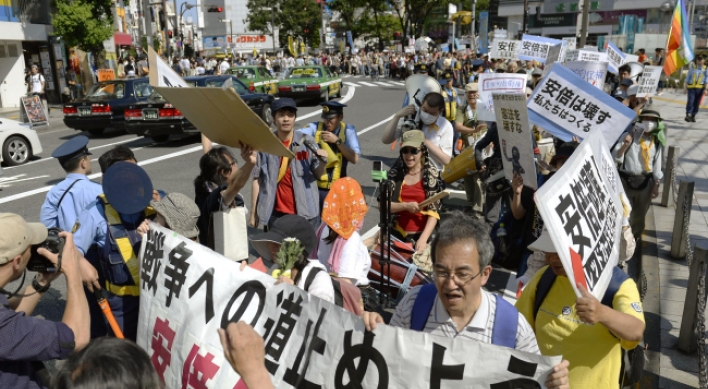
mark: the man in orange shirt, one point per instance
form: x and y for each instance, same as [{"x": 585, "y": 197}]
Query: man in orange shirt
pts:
[{"x": 642, "y": 56}]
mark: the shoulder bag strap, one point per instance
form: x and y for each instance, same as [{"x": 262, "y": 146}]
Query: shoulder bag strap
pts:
[{"x": 66, "y": 191}]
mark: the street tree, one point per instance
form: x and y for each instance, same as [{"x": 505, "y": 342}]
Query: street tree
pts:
[
  {"x": 299, "y": 18},
  {"x": 413, "y": 14},
  {"x": 83, "y": 23}
]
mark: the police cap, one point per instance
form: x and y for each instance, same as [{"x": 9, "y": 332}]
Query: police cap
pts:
[
  {"x": 445, "y": 78},
  {"x": 331, "y": 109},
  {"x": 72, "y": 148},
  {"x": 127, "y": 187}
]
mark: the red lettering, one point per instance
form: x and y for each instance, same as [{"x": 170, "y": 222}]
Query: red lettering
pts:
[
  {"x": 161, "y": 354},
  {"x": 198, "y": 370}
]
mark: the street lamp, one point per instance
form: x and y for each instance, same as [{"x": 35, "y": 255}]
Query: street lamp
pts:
[
  {"x": 272, "y": 24},
  {"x": 231, "y": 32}
]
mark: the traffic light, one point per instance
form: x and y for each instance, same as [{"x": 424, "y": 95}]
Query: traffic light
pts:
[
  {"x": 306, "y": 30},
  {"x": 169, "y": 34},
  {"x": 215, "y": 9}
]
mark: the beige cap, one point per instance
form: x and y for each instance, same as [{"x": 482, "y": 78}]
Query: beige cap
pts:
[
  {"x": 16, "y": 235},
  {"x": 413, "y": 138},
  {"x": 472, "y": 87},
  {"x": 543, "y": 243}
]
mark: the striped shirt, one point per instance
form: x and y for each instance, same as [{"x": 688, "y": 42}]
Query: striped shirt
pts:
[{"x": 479, "y": 328}]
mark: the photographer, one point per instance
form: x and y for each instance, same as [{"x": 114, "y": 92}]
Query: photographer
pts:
[{"x": 28, "y": 340}]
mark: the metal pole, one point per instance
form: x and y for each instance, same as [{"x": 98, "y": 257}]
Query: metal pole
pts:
[
  {"x": 526, "y": 16},
  {"x": 682, "y": 219},
  {"x": 584, "y": 26},
  {"x": 474, "y": 11},
  {"x": 272, "y": 27},
  {"x": 687, "y": 335},
  {"x": 165, "y": 30},
  {"x": 174, "y": 28},
  {"x": 670, "y": 176}
]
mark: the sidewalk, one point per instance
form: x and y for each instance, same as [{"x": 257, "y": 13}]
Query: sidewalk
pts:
[{"x": 667, "y": 278}]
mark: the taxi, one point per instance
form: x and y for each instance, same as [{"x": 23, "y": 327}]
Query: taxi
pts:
[
  {"x": 310, "y": 82},
  {"x": 257, "y": 78}
]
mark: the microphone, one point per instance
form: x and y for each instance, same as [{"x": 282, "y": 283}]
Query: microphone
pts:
[{"x": 313, "y": 147}]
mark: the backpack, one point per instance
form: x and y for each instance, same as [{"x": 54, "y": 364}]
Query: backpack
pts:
[
  {"x": 339, "y": 297},
  {"x": 506, "y": 317},
  {"x": 632, "y": 367}
]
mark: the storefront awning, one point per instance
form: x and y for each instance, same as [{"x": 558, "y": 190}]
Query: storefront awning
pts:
[{"x": 123, "y": 39}]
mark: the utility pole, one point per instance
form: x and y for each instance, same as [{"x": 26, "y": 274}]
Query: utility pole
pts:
[
  {"x": 584, "y": 22},
  {"x": 165, "y": 29},
  {"x": 526, "y": 17},
  {"x": 473, "y": 40}
]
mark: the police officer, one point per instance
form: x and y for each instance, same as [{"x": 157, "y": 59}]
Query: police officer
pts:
[
  {"x": 338, "y": 139},
  {"x": 66, "y": 200},
  {"x": 478, "y": 67},
  {"x": 452, "y": 102},
  {"x": 111, "y": 222}
]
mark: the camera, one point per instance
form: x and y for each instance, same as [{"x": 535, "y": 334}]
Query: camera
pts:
[{"x": 54, "y": 244}]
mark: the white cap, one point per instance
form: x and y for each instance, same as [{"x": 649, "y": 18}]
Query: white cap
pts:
[{"x": 543, "y": 243}]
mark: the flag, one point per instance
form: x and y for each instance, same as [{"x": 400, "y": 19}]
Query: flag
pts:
[
  {"x": 291, "y": 46},
  {"x": 678, "y": 48}
]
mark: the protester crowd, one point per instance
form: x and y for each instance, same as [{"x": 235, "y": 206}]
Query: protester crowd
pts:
[{"x": 311, "y": 198}]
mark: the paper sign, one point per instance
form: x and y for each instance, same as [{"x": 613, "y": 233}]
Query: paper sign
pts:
[
  {"x": 615, "y": 57},
  {"x": 571, "y": 42},
  {"x": 105, "y": 75},
  {"x": 163, "y": 74},
  {"x": 563, "y": 105},
  {"x": 497, "y": 83},
  {"x": 187, "y": 292},
  {"x": 554, "y": 55},
  {"x": 583, "y": 215},
  {"x": 592, "y": 72},
  {"x": 649, "y": 81},
  {"x": 505, "y": 48},
  {"x": 515, "y": 137},
  {"x": 536, "y": 47}
]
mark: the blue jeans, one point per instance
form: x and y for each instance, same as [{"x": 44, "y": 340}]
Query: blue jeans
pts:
[{"x": 694, "y": 100}]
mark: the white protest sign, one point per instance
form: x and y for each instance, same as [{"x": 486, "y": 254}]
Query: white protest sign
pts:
[
  {"x": 630, "y": 58},
  {"x": 585, "y": 55},
  {"x": 590, "y": 48},
  {"x": 615, "y": 57},
  {"x": 592, "y": 72},
  {"x": 571, "y": 42},
  {"x": 554, "y": 55},
  {"x": 583, "y": 215},
  {"x": 536, "y": 47},
  {"x": 500, "y": 33},
  {"x": 515, "y": 137},
  {"x": 188, "y": 292},
  {"x": 649, "y": 81},
  {"x": 563, "y": 105},
  {"x": 505, "y": 48},
  {"x": 497, "y": 83},
  {"x": 163, "y": 75}
]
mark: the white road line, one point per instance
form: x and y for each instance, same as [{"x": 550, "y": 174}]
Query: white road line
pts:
[
  {"x": 351, "y": 84},
  {"x": 348, "y": 96},
  {"x": 51, "y": 132},
  {"x": 367, "y": 129},
  {"x": 90, "y": 149},
  {"x": 398, "y": 83},
  {"x": 383, "y": 83},
  {"x": 366, "y": 83}
]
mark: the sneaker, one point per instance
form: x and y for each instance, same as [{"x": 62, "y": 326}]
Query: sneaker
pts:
[
  {"x": 660, "y": 93},
  {"x": 693, "y": 118},
  {"x": 687, "y": 118}
]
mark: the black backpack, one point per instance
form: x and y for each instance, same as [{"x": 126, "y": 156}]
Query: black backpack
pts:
[
  {"x": 338, "y": 297},
  {"x": 632, "y": 367}
]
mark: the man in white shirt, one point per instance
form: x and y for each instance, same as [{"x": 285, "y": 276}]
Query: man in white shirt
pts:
[
  {"x": 438, "y": 130},
  {"x": 36, "y": 81},
  {"x": 211, "y": 65},
  {"x": 300, "y": 61},
  {"x": 456, "y": 306},
  {"x": 185, "y": 64},
  {"x": 224, "y": 66}
]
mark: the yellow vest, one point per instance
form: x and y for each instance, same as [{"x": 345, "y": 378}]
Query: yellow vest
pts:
[
  {"x": 450, "y": 105},
  {"x": 335, "y": 161}
]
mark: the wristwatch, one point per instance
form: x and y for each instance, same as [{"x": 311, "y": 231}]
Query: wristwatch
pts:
[
  {"x": 39, "y": 288},
  {"x": 338, "y": 142}
]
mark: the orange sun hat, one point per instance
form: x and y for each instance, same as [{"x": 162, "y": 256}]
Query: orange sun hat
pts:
[{"x": 344, "y": 207}]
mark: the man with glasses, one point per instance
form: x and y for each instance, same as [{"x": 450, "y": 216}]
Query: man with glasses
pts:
[
  {"x": 456, "y": 306},
  {"x": 338, "y": 139},
  {"x": 471, "y": 130}
]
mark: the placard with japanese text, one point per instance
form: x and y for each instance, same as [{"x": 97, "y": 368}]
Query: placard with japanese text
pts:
[
  {"x": 505, "y": 48},
  {"x": 515, "y": 137},
  {"x": 592, "y": 72},
  {"x": 497, "y": 83},
  {"x": 536, "y": 47}
]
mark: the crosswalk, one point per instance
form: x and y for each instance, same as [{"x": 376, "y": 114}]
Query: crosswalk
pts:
[{"x": 361, "y": 81}]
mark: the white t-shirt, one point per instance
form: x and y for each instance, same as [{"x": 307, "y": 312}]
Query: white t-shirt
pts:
[
  {"x": 36, "y": 80},
  {"x": 441, "y": 137},
  {"x": 355, "y": 262},
  {"x": 184, "y": 62},
  {"x": 321, "y": 286},
  {"x": 224, "y": 66}
]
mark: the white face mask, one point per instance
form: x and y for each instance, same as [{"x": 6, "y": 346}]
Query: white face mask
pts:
[
  {"x": 650, "y": 126},
  {"x": 427, "y": 118},
  {"x": 125, "y": 63}
]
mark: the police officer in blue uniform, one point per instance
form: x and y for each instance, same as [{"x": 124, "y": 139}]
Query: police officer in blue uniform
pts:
[
  {"x": 111, "y": 222},
  {"x": 67, "y": 199},
  {"x": 338, "y": 139}
]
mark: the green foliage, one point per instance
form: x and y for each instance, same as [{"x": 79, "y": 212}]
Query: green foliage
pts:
[
  {"x": 156, "y": 44},
  {"x": 291, "y": 251},
  {"x": 294, "y": 17},
  {"x": 83, "y": 23},
  {"x": 482, "y": 5},
  {"x": 414, "y": 14}
]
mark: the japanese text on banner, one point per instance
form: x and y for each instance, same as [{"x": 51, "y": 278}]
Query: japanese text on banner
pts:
[
  {"x": 649, "y": 81},
  {"x": 505, "y": 48},
  {"x": 497, "y": 83},
  {"x": 615, "y": 57},
  {"x": 536, "y": 47},
  {"x": 592, "y": 72},
  {"x": 515, "y": 137}
]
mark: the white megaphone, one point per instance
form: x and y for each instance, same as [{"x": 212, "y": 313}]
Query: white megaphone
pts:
[{"x": 417, "y": 87}]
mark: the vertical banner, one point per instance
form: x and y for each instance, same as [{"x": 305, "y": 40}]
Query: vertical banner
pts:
[
  {"x": 563, "y": 105},
  {"x": 497, "y": 83},
  {"x": 649, "y": 81},
  {"x": 505, "y": 48},
  {"x": 483, "y": 32},
  {"x": 350, "y": 40},
  {"x": 615, "y": 57},
  {"x": 592, "y": 72},
  {"x": 582, "y": 211},
  {"x": 535, "y": 48},
  {"x": 515, "y": 137}
]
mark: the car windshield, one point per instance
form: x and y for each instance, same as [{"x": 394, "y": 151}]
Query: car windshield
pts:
[
  {"x": 142, "y": 89},
  {"x": 304, "y": 73},
  {"x": 244, "y": 73},
  {"x": 156, "y": 96},
  {"x": 107, "y": 90}
]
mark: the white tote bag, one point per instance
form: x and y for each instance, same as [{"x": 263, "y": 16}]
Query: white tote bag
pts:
[{"x": 230, "y": 233}]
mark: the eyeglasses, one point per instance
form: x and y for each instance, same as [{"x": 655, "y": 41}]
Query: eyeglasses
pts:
[
  {"x": 410, "y": 150},
  {"x": 460, "y": 279}
]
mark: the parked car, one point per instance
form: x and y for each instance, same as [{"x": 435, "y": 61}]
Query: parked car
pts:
[
  {"x": 19, "y": 142},
  {"x": 158, "y": 119},
  {"x": 313, "y": 81},
  {"x": 104, "y": 105},
  {"x": 257, "y": 78}
]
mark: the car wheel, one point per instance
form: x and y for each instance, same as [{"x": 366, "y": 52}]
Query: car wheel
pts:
[
  {"x": 266, "y": 115},
  {"x": 339, "y": 92},
  {"x": 326, "y": 96},
  {"x": 16, "y": 151},
  {"x": 160, "y": 138},
  {"x": 96, "y": 131}
]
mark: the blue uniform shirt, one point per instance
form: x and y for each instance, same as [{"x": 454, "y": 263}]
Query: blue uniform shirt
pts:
[
  {"x": 352, "y": 139},
  {"x": 93, "y": 226},
  {"x": 80, "y": 195}
]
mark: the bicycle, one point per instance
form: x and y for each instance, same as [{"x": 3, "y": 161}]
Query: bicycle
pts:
[{"x": 374, "y": 72}]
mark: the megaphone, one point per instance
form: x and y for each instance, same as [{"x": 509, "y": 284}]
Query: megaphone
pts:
[
  {"x": 417, "y": 87},
  {"x": 635, "y": 70}
]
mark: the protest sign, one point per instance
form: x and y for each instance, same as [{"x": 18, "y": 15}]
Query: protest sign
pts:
[
  {"x": 536, "y": 47},
  {"x": 483, "y": 32},
  {"x": 583, "y": 214},
  {"x": 554, "y": 55},
  {"x": 187, "y": 292},
  {"x": 105, "y": 75},
  {"x": 563, "y": 105},
  {"x": 515, "y": 136},
  {"x": 648, "y": 81},
  {"x": 585, "y": 55},
  {"x": 592, "y": 72},
  {"x": 500, "y": 33},
  {"x": 33, "y": 111},
  {"x": 505, "y": 48},
  {"x": 615, "y": 57},
  {"x": 571, "y": 42},
  {"x": 220, "y": 114},
  {"x": 590, "y": 48},
  {"x": 497, "y": 83}
]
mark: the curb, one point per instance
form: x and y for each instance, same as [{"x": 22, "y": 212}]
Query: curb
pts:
[
  {"x": 675, "y": 101},
  {"x": 648, "y": 269}
]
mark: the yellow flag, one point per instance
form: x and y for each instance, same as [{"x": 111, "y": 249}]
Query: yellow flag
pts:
[
  {"x": 302, "y": 48},
  {"x": 291, "y": 46}
]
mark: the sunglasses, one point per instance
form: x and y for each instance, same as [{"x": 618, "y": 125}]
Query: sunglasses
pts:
[{"x": 410, "y": 150}]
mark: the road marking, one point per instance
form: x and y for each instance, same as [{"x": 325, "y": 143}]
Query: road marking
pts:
[
  {"x": 398, "y": 83},
  {"x": 366, "y": 83},
  {"x": 383, "y": 83},
  {"x": 7, "y": 182},
  {"x": 348, "y": 96},
  {"x": 351, "y": 84},
  {"x": 367, "y": 129},
  {"x": 674, "y": 101},
  {"x": 51, "y": 132}
]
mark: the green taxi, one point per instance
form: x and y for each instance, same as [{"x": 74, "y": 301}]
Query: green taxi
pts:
[
  {"x": 256, "y": 78},
  {"x": 310, "y": 82}
]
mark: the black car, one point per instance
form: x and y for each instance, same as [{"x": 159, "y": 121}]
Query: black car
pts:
[
  {"x": 104, "y": 105},
  {"x": 158, "y": 119}
]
